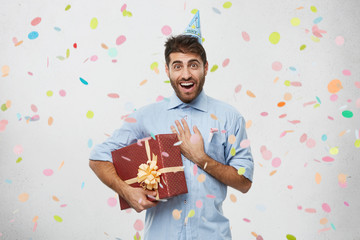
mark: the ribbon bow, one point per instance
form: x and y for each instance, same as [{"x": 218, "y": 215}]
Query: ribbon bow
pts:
[{"x": 148, "y": 175}]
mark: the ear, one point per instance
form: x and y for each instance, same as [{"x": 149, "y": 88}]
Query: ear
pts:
[
  {"x": 167, "y": 70},
  {"x": 206, "y": 68}
]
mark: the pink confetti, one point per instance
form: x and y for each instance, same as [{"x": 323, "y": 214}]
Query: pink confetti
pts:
[
  {"x": 199, "y": 203},
  {"x": 294, "y": 121},
  {"x": 48, "y": 172},
  {"x": 266, "y": 155},
  {"x": 123, "y": 8},
  {"x": 246, "y": 220},
  {"x": 165, "y": 154},
  {"x": 34, "y": 108},
  {"x": 299, "y": 207},
  {"x": 326, "y": 207},
  {"x": 210, "y": 196},
  {"x": 237, "y": 88},
  {"x": 62, "y": 93},
  {"x": 159, "y": 98},
  {"x": 296, "y": 84},
  {"x": 18, "y": 149},
  {"x": 283, "y": 134},
  {"x": 63, "y": 205},
  {"x": 276, "y": 162},
  {"x": 346, "y": 72},
  {"x": 346, "y": 204},
  {"x": 310, "y": 143},
  {"x": 127, "y": 159},
  {"x": 35, "y": 225},
  {"x": 327, "y": 159},
  {"x": 36, "y": 21},
  {"x": 309, "y": 103},
  {"x": 226, "y": 62},
  {"x": 120, "y": 40},
  {"x": 330, "y": 117},
  {"x": 310, "y": 210},
  {"x": 303, "y": 138},
  {"x": 139, "y": 225},
  {"x": 339, "y": 40},
  {"x": 245, "y": 36},
  {"x": 276, "y": 66},
  {"x": 245, "y": 143},
  {"x": 112, "y": 202},
  {"x": 3, "y": 124},
  {"x": 195, "y": 169},
  {"x": 114, "y": 61},
  {"x": 130, "y": 120},
  {"x": 317, "y": 32},
  {"x": 93, "y": 58},
  {"x": 282, "y": 115},
  {"x": 358, "y": 103},
  {"x": 166, "y": 30},
  {"x": 264, "y": 114},
  {"x": 333, "y": 97},
  {"x": 30, "y": 73},
  {"x": 113, "y": 95},
  {"x": 357, "y": 84}
]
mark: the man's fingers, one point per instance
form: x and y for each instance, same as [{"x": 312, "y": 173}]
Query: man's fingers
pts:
[
  {"x": 196, "y": 130},
  {"x": 180, "y": 128},
  {"x": 173, "y": 129},
  {"x": 186, "y": 128}
]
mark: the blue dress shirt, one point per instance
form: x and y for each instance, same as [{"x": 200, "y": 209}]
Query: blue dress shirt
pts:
[{"x": 204, "y": 198}]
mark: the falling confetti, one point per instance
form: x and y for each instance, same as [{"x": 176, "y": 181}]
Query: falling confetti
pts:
[
  {"x": 214, "y": 68},
  {"x": 201, "y": 178},
  {"x": 241, "y": 171},
  {"x": 339, "y": 40},
  {"x": 290, "y": 237},
  {"x": 318, "y": 178},
  {"x": 120, "y": 40},
  {"x": 233, "y": 198},
  {"x": 112, "y": 202},
  {"x": 295, "y": 21},
  {"x": 176, "y": 214},
  {"x": 48, "y": 172},
  {"x": 276, "y": 66},
  {"x": 227, "y": 5},
  {"x": 57, "y": 218},
  {"x": 226, "y": 62},
  {"x": 94, "y": 23},
  {"x": 347, "y": 114},
  {"x": 326, "y": 207},
  {"x": 35, "y": 21},
  {"x": 90, "y": 114},
  {"x": 245, "y": 36},
  {"x": 139, "y": 225},
  {"x": 166, "y": 30},
  {"x": 33, "y": 35},
  {"x": 274, "y": 38},
  {"x": 250, "y": 94}
]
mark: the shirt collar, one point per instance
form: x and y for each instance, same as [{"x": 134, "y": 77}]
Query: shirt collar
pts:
[{"x": 199, "y": 103}]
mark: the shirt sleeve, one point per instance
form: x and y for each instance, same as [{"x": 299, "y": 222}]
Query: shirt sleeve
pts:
[
  {"x": 124, "y": 136},
  {"x": 235, "y": 155}
]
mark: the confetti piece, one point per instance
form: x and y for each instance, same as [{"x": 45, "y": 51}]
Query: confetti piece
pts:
[
  {"x": 55, "y": 199},
  {"x": 213, "y": 117},
  {"x": 323, "y": 221},
  {"x": 195, "y": 169},
  {"x": 112, "y": 202},
  {"x": 310, "y": 210},
  {"x": 201, "y": 178},
  {"x": 296, "y": 84},
  {"x": 227, "y": 5},
  {"x": 274, "y": 38},
  {"x": 264, "y": 114},
  {"x": 48, "y": 172},
  {"x": 290, "y": 187},
  {"x": 226, "y": 62},
  {"x": 82, "y": 185},
  {"x": 335, "y": 86},
  {"x": 346, "y": 72},
  {"x": 313, "y": 9},
  {"x": 127, "y": 159},
  {"x": 35, "y": 219},
  {"x": 281, "y": 104},
  {"x": 250, "y": 94},
  {"x": 282, "y": 115},
  {"x": 326, "y": 207},
  {"x": 318, "y": 178},
  {"x": 112, "y": 52},
  {"x": 50, "y": 121},
  {"x": 83, "y": 81},
  {"x": 33, "y": 35},
  {"x": 245, "y": 36},
  {"x": 259, "y": 237},
  {"x": 23, "y": 197},
  {"x": 273, "y": 172},
  {"x": 232, "y": 139},
  {"x": 346, "y": 204},
  {"x": 166, "y": 30},
  {"x": 237, "y": 88},
  {"x": 120, "y": 40},
  {"x": 295, "y": 21},
  {"x": 339, "y": 40},
  {"x": 290, "y": 237},
  {"x": 19, "y": 160},
  {"x": 93, "y": 58},
  {"x": 36, "y": 21},
  {"x": 143, "y": 82},
  {"x": 18, "y": 149},
  {"x": 62, "y": 93},
  {"x": 241, "y": 171},
  {"x": 357, "y": 143},
  {"x": 276, "y": 66},
  {"x": 198, "y": 203},
  {"x": 90, "y": 114},
  {"x": 176, "y": 214},
  {"x": 310, "y": 143},
  {"x": 57, "y": 218},
  {"x": 233, "y": 198},
  {"x": 347, "y": 114},
  {"x": 214, "y": 68},
  {"x": 139, "y": 225},
  {"x": 178, "y": 143},
  {"x": 245, "y": 143},
  {"x": 232, "y": 151},
  {"x": 302, "y": 47},
  {"x": 3, "y": 124},
  {"x": 94, "y": 23},
  {"x": 334, "y": 151},
  {"x": 67, "y": 7},
  {"x": 317, "y": 20},
  {"x": 210, "y": 196},
  {"x": 5, "y": 70},
  {"x": 165, "y": 154},
  {"x": 276, "y": 162},
  {"x": 328, "y": 159}
]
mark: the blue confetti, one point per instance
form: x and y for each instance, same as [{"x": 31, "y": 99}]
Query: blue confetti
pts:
[
  {"x": 8, "y": 181},
  {"x": 82, "y": 185},
  {"x": 324, "y": 137},
  {"x": 318, "y": 99},
  {"x": 90, "y": 143},
  {"x": 292, "y": 69},
  {"x": 84, "y": 81},
  {"x": 33, "y": 35},
  {"x": 317, "y": 20},
  {"x": 333, "y": 227},
  {"x": 18, "y": 115},
  {"x": 216, "y": 10},
  {"x": 57, "y": 29},
  {"x": 153, "y": 136}
]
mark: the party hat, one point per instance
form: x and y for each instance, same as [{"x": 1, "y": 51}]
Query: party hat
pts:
[{"x": 193, "y": 28}]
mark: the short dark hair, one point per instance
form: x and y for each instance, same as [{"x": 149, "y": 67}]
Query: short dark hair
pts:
[{"x": 184, "y": 44}]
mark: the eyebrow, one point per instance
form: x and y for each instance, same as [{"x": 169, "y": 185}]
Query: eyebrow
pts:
[{"x": 190, "y": 61}]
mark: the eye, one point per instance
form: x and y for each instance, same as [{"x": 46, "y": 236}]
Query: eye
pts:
[
  {"x": 194, "y": 65},
  {"x": 177, "y": 67}
]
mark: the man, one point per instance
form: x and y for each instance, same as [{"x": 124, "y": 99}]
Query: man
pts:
[{"x": 204, "y": 126}]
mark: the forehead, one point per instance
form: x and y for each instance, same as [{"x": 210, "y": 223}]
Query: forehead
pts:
[{"x": 184, "y": 57}]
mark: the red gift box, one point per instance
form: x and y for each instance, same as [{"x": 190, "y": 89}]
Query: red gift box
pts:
[{"x": 167, "y": 157}]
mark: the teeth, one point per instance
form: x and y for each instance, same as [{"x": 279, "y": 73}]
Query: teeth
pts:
[{"x": 186, "y": 84}]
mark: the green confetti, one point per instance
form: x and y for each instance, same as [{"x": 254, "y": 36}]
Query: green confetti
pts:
[
  {"x": 227, "y": 5},
  {"x": 191, "y": 213},
  {"x": 347, "y": 114},
  {"x": 94, "y": 23},
  {"x": 60, "y": 58},
  {"x": 316, "y": 105},
  {"x": 214, "y": 68},
  {"x": 49, "y": 93},
  {"x": 127, "y": 13},
  {"x": 287, "y": 83},
  {"x": 313, "y": 9},
  {"x": 167, "y": 81},
  {"x": 154, "y": 65},
  {"x": 318, "y": 99},
  {"x": 302, "y": 47},
  {"x": 67, "y": 7},
  {"x": 67, "y": 53},
  {"x": 357, "y": 143},
  {"x": 232, "y": 151},
  {"x": 3, "y": 107},
  {"x": 194, "y": 11},
  {"x": 241, "y": 171},
  {"x": 274, "y": 38},
  {"x": 57, "y": 218},
  {"x": 19, "y": 160},
  {"x": 290, "y": 237},
  {"x": 90, "y": 114}
]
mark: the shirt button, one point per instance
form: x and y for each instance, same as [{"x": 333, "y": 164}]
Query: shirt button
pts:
[
  {"x": 186, "y": 116},
  {"x": 185, "y": 201}
]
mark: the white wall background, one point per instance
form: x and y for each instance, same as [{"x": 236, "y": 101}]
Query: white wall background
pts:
[{"x": 302, "y": 197}]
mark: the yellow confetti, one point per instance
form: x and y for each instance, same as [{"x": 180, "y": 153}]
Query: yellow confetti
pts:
[
  {"x": 232, "y": 151},
  {"x": 273, "y": 172},
  {"x": 274, "y": 38},
  {"x": 143, "y": 82},
  {"x": 50, "y": 121},
  {"x": 315, "y": 39},
  {"x": 201, "y": 178},
  {"x": 214, "y": 68},
  {"x": 191, "y": 213},
  {"x": 241, "y": 171},
  {"x": 90, "y": 114},
  {"x": 227, "y": 5},
  {"x": 67, "y": 53},
  {"x": 334, "y": 151},
  {"x": 61, "y": 165},
  {"x": 55, "y": 199},
  {"x": 295, "y": 21},
  {"x": 313, "y": 9},
  {"x": 35, "y": 219},
  {"x": 213, "y": 117},
  {"x": 94, "y": 23},
  {"x": 357, "y": 143}
]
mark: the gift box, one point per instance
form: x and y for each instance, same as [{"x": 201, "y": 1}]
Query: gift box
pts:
[{"x": 153, "y": 164}]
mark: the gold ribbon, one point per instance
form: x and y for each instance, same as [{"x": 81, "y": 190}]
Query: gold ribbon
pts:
[{"x": 149, "y": 174}]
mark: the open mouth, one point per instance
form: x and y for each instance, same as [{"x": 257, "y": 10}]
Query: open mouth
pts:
[{"x": 187, "y": 85}]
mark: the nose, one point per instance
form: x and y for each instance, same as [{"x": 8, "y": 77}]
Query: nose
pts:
[{"x": 186, "y": 74}]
